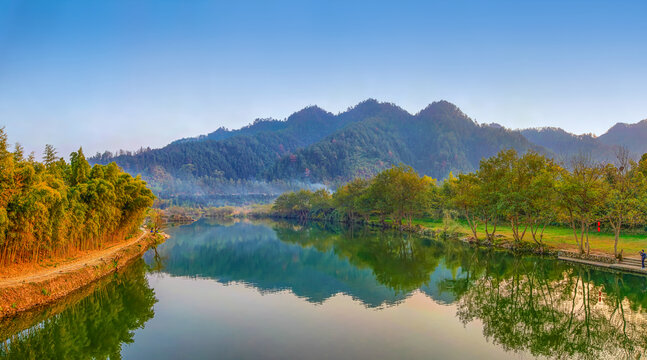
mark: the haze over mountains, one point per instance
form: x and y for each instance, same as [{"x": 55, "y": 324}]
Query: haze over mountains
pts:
[{"x": 316, "y": 146}]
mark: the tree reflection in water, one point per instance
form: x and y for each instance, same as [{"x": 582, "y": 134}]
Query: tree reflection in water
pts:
[
  {"x": 556, "y": 311},
  {"x": 94, "y": 326},
  {"x": 525, "y": 303}
]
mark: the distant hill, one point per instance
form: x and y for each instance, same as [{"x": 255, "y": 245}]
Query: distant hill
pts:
[
  {"x": 239, "y": 154},
  {"x": 259, "y": 125},
  {"x": 633, "y": 136},
  {"x": 313, "y": 144},
  {"x": 437, "y": 140},
  {"x": 316, "y": 146},
  {"x": 566, "y": 145}
]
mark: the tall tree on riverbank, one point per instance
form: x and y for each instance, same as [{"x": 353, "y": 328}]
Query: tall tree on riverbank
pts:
[
  {"x": 350, "y": 199},
  {"x": 542, "y": 194},
  {"x": 626, "y": 202},
  {"x": 582, "y": 193},
  {"x": 494, "y": 177},
  {"x": 526, "y": 187},
  {"x": 402, "y": 193},
  {"x": 465, "y": 196}
]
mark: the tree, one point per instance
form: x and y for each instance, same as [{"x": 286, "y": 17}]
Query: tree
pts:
[
  {"x": 625, "y": 201},
  {"x": 18, "y": 153},
  {"x": 466, "y": 197},
  {"x": 304, "y": 204},
  {"x": 49, "y": 157},
  {"x": 401, "y": 193},
  {"x": 349, "y": 199},
  {"x": 542, "y": 196},
  {"x": 79, "y": 167},
  {"x": 6, "y": 185},
  {"x": 582, "y": 194},
  {"x": 155, "y": 219},
  {"x": 496, "y": 183},
  {"x": 526, "y": 189},
  {"x": 321, "y": 204}
]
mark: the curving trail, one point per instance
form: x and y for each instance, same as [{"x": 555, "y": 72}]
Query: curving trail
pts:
[{"x": 93, "y": 258}]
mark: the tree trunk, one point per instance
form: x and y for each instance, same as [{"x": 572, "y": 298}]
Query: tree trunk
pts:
[
  {"x": 581, "y": 237},
  {"x": 487, "y": 234},
  {"x": 616, "y": 231},
  {"x": 588, "y": 248},
  {"x": 472, "y": 223}
]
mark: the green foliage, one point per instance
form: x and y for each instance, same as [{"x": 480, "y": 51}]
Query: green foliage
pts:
[
  {"x": 398, "y": 192},
  {"x": 528, "y": 191},
  {"x": 401, "y": 193},
  {"x": 625, "y": 186},
  {"x": 581, "y": 194},
  {"x": 53, "y": 208},
  {"x": 304, "y": 204},
  {"x": 350, "y": 200},
  {"x": 154, "y": 219}
]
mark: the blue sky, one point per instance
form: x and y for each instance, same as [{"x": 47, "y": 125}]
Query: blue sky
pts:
[{"x": 123, "y": 74}]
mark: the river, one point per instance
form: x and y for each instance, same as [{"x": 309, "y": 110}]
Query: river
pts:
[{"x": 278, "y": 290}]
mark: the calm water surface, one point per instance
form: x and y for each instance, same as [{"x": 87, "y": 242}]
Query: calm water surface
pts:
[{"x": 250, "y": 290}]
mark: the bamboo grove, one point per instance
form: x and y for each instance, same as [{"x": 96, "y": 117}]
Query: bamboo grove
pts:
[
  {"x": 53, "y": 207},
  {"x": 526, "y": 192}
]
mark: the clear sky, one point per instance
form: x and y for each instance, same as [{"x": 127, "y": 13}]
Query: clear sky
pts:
[{"x": 122, "y": 74}]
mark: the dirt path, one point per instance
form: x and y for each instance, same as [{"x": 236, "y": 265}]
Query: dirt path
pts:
[{"x": 93, "y": 258}]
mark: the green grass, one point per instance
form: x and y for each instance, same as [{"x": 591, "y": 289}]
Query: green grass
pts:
[{"x": 559, "y": 237}]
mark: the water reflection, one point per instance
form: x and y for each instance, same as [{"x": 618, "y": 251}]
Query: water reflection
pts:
[
  {"x": 550, "y": 311},
  {"x": 92, "y": 324},
  {"x": 533, "y": 304},
  {"x": 255, "y": 255},
  {"x": 529, "y": 305}
]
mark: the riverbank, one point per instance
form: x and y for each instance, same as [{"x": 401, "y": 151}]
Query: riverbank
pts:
[
  {"x": 46, "y": 285},
  {"x": 563, "y": 252},
  {"x": 557, "y": 237},
  {"x": 560, "y": 251}
]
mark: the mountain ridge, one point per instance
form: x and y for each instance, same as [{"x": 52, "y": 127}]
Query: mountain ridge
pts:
[{"x": 317, "y": 146}]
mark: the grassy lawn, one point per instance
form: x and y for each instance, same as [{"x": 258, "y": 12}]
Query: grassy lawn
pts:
[{"x": 558, "y": 237}]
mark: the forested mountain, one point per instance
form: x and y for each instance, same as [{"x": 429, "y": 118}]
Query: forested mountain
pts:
[
  {"x": 316, "y": 146},
  {"x": 601, "y": 148},
  {"x": 241, "y": 154},
  {"x": 437, "y": 140},
  {"x": 565, "y": 145},
  {"x": 259, "y": 125},
  {"x": 633, "y": 136}
]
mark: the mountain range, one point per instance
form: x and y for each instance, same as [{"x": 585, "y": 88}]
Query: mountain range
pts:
[{"x": 315, "y": 146}]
